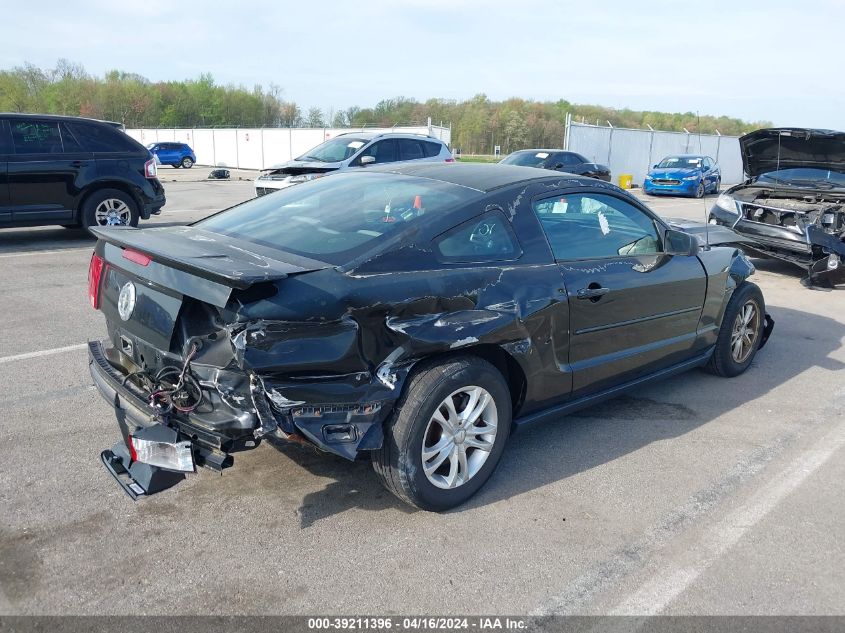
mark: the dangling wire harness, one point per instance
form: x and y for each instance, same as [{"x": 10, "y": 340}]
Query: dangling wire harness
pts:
[{"x": 172, "y": 388}]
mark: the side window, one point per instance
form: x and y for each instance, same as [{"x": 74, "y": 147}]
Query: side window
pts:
[
  {"x": 569, "y": 159},
  {"x": 101, "y": 138},
  {"x": 485, "y": 238},
  {"x": 431, "y": 149},
  {"x": 595, "y": 226},
  {"x": 409, "y": 149},
  {"x": 5, "y": 139},
  {"x": 36, "y": 137},
  {"x": 382, "y": 151}
]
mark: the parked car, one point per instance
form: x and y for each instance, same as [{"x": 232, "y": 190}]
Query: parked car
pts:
[
  {"x": 350, "y": 151},
  {"x": 558, "y": 160},
  {"x": 73, "y": 172},
  {"x": 174, "y": 154},
  {"x": 405, "y": 313},
  {"x": 684, "y": 175},
  {"x": 792, "y": 205}
]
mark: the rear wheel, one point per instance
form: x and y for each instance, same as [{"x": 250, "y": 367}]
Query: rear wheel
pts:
[
  {"x": 187, "y": 162},
  {"x": 446, "y": 435},
  {"x": 109, "y": 207},
  {"x": 741, "y": 332}
]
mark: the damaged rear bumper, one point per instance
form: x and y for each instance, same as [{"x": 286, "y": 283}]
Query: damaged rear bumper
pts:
[{"x": 343, "y": 429}]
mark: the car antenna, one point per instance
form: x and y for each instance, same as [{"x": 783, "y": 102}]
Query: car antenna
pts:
[{"x": 704, "y": 197}]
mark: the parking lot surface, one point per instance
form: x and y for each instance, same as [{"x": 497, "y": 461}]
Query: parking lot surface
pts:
[{"x": 697, "y": 495}]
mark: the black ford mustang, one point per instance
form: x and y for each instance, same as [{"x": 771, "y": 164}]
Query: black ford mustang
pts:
[{"x": 409, "y": 314}]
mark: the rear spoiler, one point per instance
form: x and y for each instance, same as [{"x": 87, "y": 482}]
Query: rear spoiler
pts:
[{"x": 219, "y": 258}]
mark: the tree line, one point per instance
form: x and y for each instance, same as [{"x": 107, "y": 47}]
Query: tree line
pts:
[{"x": 478, "y": 124}]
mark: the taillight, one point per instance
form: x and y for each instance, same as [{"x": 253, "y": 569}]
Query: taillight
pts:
[
  {"x": 95, "y": 272},
  {"x": 150, "y": 169},
  {"x": 450, "y": 160}
]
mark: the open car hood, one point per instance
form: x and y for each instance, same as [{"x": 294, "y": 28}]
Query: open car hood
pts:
[{"x": 771, "y": 149}]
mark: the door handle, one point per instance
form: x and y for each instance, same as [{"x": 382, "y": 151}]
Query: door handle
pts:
[{"x": 592, "y": 293}]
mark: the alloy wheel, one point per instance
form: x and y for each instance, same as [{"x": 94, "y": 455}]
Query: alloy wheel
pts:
[
  {"x": 745, "y": 331},
  {"x": 112, "y": 212},
  {"x": 459, "y": 437}
]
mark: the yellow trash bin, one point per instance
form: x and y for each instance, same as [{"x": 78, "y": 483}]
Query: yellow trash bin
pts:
[{"x": 626, "y": 180}]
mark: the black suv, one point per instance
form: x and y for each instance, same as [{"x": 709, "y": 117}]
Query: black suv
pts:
[{"x": 73, "y": 172}]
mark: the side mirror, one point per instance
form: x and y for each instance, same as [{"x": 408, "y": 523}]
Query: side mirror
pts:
[
  {"x": 679, "y": 243},
  {"x": 367, "y": 160},
  {"x": 559, "y": 166},
  {"x": 654, "y": 166}
]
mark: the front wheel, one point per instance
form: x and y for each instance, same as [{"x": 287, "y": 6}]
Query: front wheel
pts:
[
  {"x": 187, "y": 162},
  {"x": 447, "y": 434},
  {"x": 699, "y": 193},
  {"x": 741, "y": 332}
]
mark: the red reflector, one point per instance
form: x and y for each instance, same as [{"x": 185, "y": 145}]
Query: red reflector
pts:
[
  {"x": 95, "y": 273},
  {"x": 133, "y": 454},
  {"x": 450, "y": 160},
  {"x": 135, "y": 256}
]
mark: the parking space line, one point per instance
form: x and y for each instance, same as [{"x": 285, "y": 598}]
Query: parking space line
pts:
[
  {"x": 656, "y": 594},
  {"x": 51, "y": 252},
  {"x": 43, "y": 352}
]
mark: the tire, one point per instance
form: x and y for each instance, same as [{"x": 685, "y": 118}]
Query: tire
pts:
[
  {"x": 187, "y": 162},
  {"x": 699, "y": 193},
  {"x": 176, "y": 166},
  {"x": 109, "y": 207},
  {"x": 724, "y": 361},
  {"x": 399, "y": 463}
]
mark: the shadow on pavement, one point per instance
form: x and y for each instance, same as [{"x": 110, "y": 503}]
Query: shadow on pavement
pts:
[{"x": 551, "y": 452}]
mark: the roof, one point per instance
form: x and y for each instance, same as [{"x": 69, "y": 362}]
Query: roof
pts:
[
  {"x": 372, "y": 135},
  {"x": 478, "y": 176},
  {"x": 57, "y": 117}
]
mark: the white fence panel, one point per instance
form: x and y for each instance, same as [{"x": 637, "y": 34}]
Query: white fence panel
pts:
[{"x": 259, "y": 148}]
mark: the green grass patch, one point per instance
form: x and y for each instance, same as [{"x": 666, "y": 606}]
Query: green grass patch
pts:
[{"x": 480, "y": 158}]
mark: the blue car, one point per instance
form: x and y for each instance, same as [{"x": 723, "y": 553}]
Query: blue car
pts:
[
  {"x": 175, "y": 154},
  {"x": 684, "y": 175}
]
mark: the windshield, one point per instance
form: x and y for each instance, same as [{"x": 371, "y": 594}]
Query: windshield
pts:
[
  {"x": 335, "y": 150},
  {"x": 680, "y": 162},
  {"x": 526, "y": 159},
  {"x": 808, "y": 175},
  {"x": 337, "y": 218}
]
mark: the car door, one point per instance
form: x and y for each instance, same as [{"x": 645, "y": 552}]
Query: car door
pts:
[
  {"x": 43, "y": 175},
  {"x": 633, "y": 309},
  {"x": 5, "y": 150}
]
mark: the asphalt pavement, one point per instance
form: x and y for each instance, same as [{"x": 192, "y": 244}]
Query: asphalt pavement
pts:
[{"x": 697, "y": 495}]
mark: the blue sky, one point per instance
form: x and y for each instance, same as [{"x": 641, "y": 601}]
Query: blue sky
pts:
[{"x": 774, "y": 60}]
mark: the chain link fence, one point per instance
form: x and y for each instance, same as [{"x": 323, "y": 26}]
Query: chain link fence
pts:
[{"x": 631, "y": 151}]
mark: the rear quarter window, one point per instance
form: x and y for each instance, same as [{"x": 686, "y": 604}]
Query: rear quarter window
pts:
[
  {"x": 431, "y": 149},
  {"x": 102, "y": 138},
  {"x": 487, "y": 238}
]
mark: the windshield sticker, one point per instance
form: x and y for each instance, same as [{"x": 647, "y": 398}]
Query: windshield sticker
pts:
[
  {"x": 541, "y": 155},
  {"x": 355, "y": 144}
]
